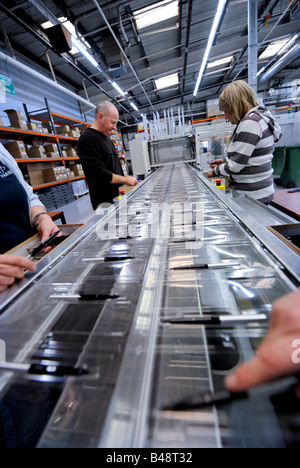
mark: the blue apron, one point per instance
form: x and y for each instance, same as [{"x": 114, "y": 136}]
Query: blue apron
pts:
[{"x": 15, "y": 225}]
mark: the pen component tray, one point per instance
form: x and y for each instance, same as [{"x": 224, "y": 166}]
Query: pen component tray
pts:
[
  {"x": 211, "y": 234},
  {"x": 241, "y": 294},
  {"x": 126, "y": 269},
  {"x": 244, "y": 254}
]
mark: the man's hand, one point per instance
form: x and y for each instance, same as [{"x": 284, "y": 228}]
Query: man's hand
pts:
[
  {"x": 274, "y": 357},
  {"x": 12, "y": 268},
  {"x": 131, "y": 181}
]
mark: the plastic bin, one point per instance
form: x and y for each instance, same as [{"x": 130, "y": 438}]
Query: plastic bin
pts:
[
  {"x": 279, "y": 160},
  {"x": 291, "y": 175}
]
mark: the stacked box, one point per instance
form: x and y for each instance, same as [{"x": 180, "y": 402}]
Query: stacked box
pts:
[
  {"x": 37, "y": 152},
  {"x": 78, "y": 171},
  {"x": 55, "y": 174},
  {"x": 37, "y": 128},
  {"x": 17, "y": 149},
  {"x": 17, "y": 119},
  {"x": 72, "y": 153},
  {"x": 63, "y": 130},
  {"x": 36, "y": 178}
]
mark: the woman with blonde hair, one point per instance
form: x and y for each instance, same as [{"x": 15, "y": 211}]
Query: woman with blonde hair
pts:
[{"x": 249, "y": 160}]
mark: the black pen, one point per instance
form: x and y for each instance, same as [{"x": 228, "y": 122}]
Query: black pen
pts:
[
  {"x": 215, "y": 319},
  {"x": 204, "y": 266},
  {"x": 85, "y": 297},
  {"x": 42, "y": 246},
  {"x": 203, "y": 400},
  {"x": 50, "y": 369}
]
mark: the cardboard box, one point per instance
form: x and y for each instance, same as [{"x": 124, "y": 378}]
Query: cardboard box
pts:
[
  {"x": 36, "y": 178},
  {"x": 78, "y": 171},
  {"x": 17, "y": 119},
  {"x": 55, "y": 155},
  {"x": 19, "y": 154},
  {"x": 20, "y": 125},
  {"x": 74, "y": 134},
  {"x": 35, "y": 128},
  {"x": 51, "y": 148},
  {"x": 55, "y": 174},
  {"x": 14, "y": 115},
  {"x": 63, "y": 130},
  {"x": 72, "y": 153},
  {"x": 15, "y": 146},
  {"x": 37, "y": 152}
]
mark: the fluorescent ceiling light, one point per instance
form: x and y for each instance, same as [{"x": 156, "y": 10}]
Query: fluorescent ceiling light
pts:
[
  {"x": 261, "y": 71},
  {"x": 84, "y": 52},
  {"x": 217, "y": 63},
  {"x": 154, "y": 14},
  {"x": 167, "y": 81},
  {"x": 211, "y": 40},
  {"x": 273, "y": 49},
  {"x": 117, "y": 87},
  {"x": 134, "y": 106}
]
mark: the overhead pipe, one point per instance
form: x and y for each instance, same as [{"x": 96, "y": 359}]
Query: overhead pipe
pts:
[{"x": 281, "y": 63}]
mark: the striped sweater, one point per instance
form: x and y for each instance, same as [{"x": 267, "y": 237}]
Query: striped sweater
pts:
[{"x": 249, "y": 159}]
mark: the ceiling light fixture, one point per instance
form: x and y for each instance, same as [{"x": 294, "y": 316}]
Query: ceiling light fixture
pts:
[
  {"x": 261, "y": 71},
  {"x": 117, "y": 87},
  {"x": 167, "y": 81},
  {"x": 134, "y": 106},
  {"x": 217, "y": 63},
  {"x": 153, "y": 15},
  {"x": 84, "y": 52},
  {"x": 219, "y": 14}
]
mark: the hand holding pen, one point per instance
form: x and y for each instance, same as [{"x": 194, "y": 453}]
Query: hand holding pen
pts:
[
  {"x": 13, "y": 268},
  {"x": 279, "y": 353}
]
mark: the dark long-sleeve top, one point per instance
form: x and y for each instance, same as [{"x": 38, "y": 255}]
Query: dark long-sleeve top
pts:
[{"x": 99, "y": 161}]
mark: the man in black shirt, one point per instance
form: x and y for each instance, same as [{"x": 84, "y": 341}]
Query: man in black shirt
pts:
[{"x": 99, "y": 158}]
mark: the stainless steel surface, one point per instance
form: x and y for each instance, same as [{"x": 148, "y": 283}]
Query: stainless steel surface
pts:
[{"x": 81, "y": 311}]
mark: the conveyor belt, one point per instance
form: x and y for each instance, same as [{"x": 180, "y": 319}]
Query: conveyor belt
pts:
[{"x": 170, "y": 251}]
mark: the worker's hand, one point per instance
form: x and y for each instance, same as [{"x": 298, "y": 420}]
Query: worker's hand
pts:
[
  {"x": 279, "y": 353},
  {"x": 12, "y": 268},
  {"x": 216, "y": 162},
  {"x": 46, "y": 227},
  {"x": 210, "y": 174},
  {"x": 131, "y": 181}
]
